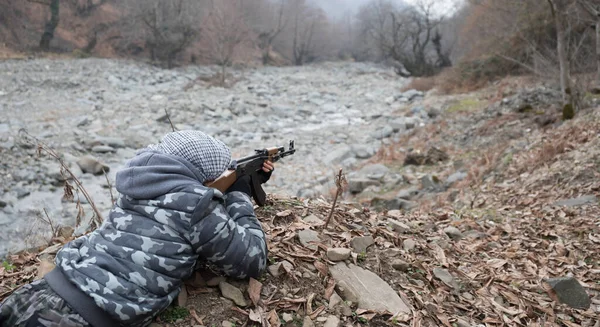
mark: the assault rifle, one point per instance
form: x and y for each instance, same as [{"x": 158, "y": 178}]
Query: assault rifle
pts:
[{"x": 251, "y": 165}]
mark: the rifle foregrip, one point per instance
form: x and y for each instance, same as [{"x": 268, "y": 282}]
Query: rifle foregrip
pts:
[{"x": 258, "y": 193}]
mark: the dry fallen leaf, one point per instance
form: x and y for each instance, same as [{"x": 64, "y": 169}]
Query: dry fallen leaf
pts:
[{"x": 254, "y": 289}]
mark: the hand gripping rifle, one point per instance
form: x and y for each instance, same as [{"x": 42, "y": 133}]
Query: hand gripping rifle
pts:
[{"x": 251, "y": 165}]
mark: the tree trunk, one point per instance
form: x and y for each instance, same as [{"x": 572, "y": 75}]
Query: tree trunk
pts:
[
  {"x": 50, "y": 25},
  {"x": 598, "y": 49},
  {"x": 561, "y": 44},
  {"x": 223, "y": 67}
]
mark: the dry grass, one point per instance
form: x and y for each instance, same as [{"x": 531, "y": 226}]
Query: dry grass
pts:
[{"x": 422, "y": 84}]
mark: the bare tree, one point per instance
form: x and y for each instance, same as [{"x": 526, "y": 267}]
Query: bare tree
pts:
[
  {"x": 225, "y": 33},
  {"x": 268, "y": 19},
  {"x": 593, "y": 8},
  {"x": 169, "y": 27},
  {"x": 51, "y": 24},
  {"x": 307, "y": 21},
  {"x": 409, "y": 36}
]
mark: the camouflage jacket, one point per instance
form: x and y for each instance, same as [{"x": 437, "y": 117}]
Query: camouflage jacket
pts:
[{"x": 164, "y": 222}]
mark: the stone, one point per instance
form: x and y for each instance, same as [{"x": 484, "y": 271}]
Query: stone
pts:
[
  {"x": 308, "y": 322},
  {"x": 308, "y": 235},
  {"x": 409, "y": 244},
  {"x": 374, "y": 171},
  {"x": 371, "y": 292},
  {"x": 233, "y": 293},
  {"x": 430, "y": 183},
  {"x": 91, "y": 165},
  {"x": 407, "y": 194},
  {"x": 357, "y": 185},
  {"x": 456, "y": 177},
  {"x": 361, "y": 243},
  {"x": 114, "y": 142},
  {"x": 338, "y": 155},
  {"x": 3, "y": 204},
  {"x": 382, "y": 133},
  {"x": 398, "y": 226},
  {"x": 575, "y": 202},
  {"x": 453, "y": 232},
  {"x": 332, "y": 321},
  {"x": 312, "y": 219},
  {"x": 400, "y": 265},
  {"x": 287, "y": 317},
  {"x": 334, "y": 300},
  {"x": 411, "y": 95},
  {"x": 182, "y": 297},
  {"x": 338, "y": 254},
  {"x": 276, "y": 270},
  {"x": 568, "y": 290},
  {"x": 445, "y": 276},
  {"x": 102, "y": 149},
  {"x": 226, "y": 323},
  {"x": 462, "y": 323},
  {"x": 363, "y": 151}
]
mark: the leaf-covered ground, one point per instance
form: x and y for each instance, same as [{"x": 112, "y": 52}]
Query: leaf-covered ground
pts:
[{"x": 475, "y": 254}]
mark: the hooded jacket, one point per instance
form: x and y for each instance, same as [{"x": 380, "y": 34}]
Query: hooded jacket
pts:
[{"x": 163, "y": 223}]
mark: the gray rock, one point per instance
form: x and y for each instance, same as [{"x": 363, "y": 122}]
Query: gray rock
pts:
[
  {"x": 453, "y": 232},
  {"x": 83, "y": 121},
  {"x": 398, "y": 125},
  {"x": 312, "y": 219},
  {"x": 445, "y": 276},
  {"x": 338, "y": 254},
  {"x": 332, "y": 321},
  {"x": 400, "y": 265},
  {"x": 338, "y": 155},
  {"x": 582, "y": 200},
  {"x": 382, "y": 133},
  {"x": 233, "y": 293},
  {"x": 308, "y": 235},
  {"x": 308, "y": 322},
  {"x": 569, "y": 291},
  {"x": 3, "y": 204},
  {"x": 363, "y": 151},
  {"x": 430, "y": 183},
  {"x": 275, "y": 269},
  {"x": 361, "y": 243},
  {"x": 357, "y": 185},
  {"x": 21, "y": 193},
  {"x": 398, "y": 226},
  {"x": 409, "y": 244},
  {"x": 102, "y": 149},
  {"x": 91, "y": 165},
  {"x": 407, "y": 194},
  {"x": 374, "y": 171},
  {"x": 114, "y": 142},
  {"x": 411, "y": 95},
  {"x": 372, "y": 292},
  {"x": 457, "y": 176}
]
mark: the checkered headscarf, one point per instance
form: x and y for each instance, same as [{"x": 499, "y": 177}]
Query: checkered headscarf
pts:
[{"x": 206, "y": 153}]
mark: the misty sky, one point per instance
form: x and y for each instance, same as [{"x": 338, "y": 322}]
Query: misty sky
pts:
[{"x": 337, "y": 8}]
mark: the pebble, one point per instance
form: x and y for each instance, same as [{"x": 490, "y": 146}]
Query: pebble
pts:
[{"x": 338, "y": 254}]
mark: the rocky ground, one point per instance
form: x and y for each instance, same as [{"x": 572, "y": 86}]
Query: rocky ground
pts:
[
  {"x": 475, "y": 209},
  {"x": 337, "y": 115}
]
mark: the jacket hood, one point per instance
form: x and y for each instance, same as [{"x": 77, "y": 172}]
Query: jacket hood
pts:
[{"x": 151, "y": 174}]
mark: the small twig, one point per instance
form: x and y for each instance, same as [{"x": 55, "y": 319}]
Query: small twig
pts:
[
  {"x": 112, "y": 198},
  {"x": 42, "y": 146},
  {"x": 169, "y": 119},
  {"x": 339, "y": 179},
  {"x": 49, "y": 223}
]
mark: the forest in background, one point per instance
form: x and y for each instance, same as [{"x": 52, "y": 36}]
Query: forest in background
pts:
[{"x": 477, "y": 42}]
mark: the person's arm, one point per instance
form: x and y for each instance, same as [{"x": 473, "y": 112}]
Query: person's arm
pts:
[{"x": 229, "y": 235}]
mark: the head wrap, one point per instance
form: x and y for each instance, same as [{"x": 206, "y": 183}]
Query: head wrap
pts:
[{"x": 206, "y": 153}]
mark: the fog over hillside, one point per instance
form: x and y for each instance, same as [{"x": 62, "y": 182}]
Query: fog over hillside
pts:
[{"x": 337, "y": 9}]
